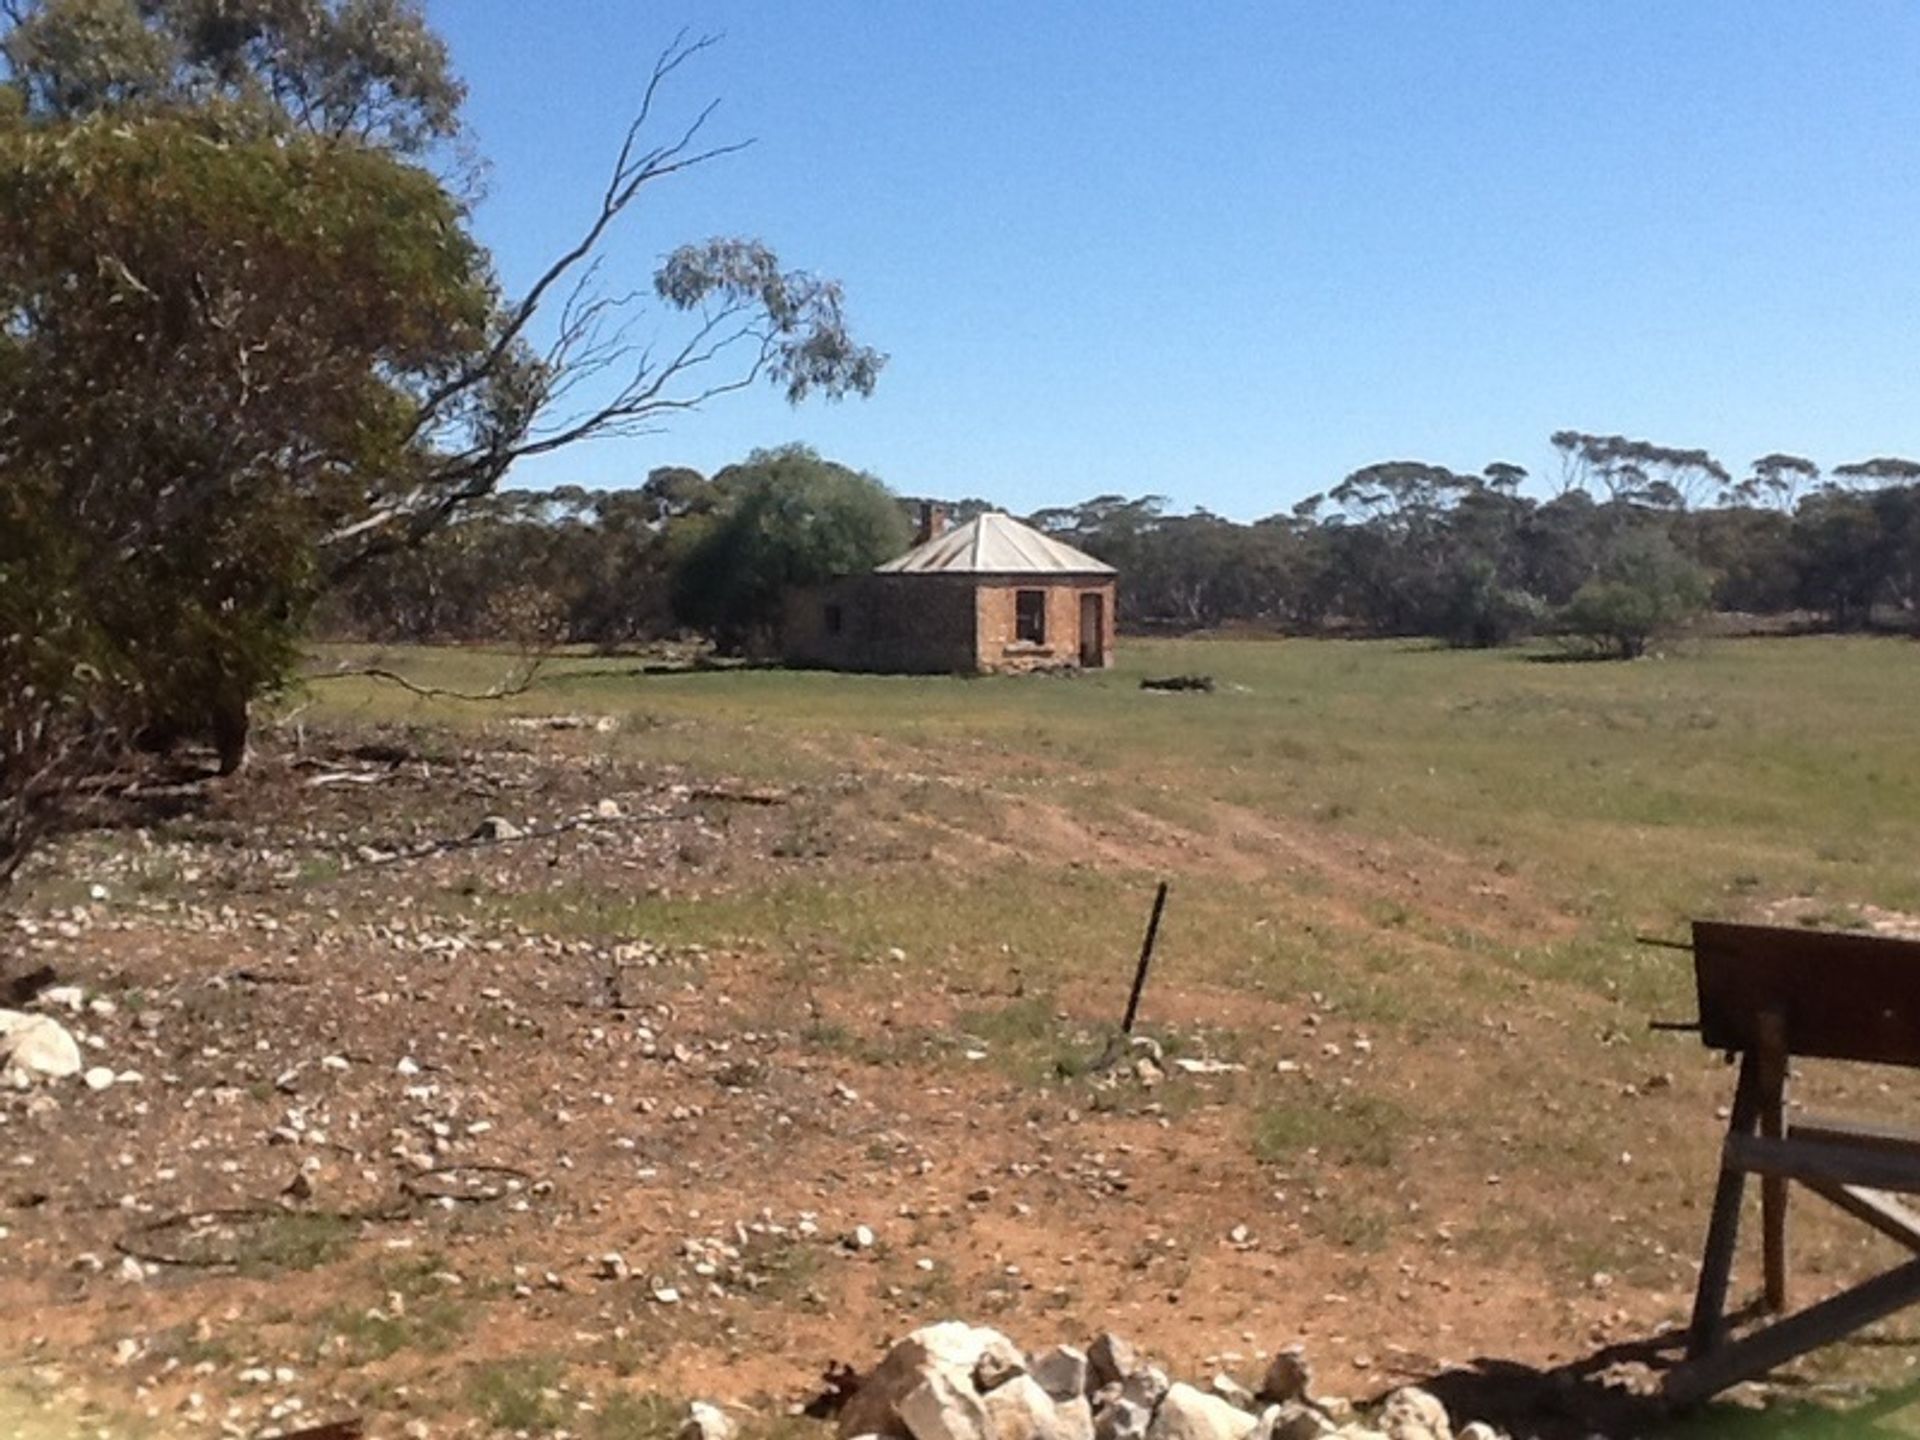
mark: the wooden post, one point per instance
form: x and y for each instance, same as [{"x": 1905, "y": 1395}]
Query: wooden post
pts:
[
  {"x": 1773, "y": 1188},
  {"x": 1146, "y": 959},
  {"x": 1723, "y": 1230}
]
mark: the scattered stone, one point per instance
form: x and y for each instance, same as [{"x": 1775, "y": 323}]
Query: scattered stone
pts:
[
  {"x": 1020, "y": 1410},
  {"x": 1075, "y": 1417},
  {"x": 1122, "y": 1420},
  {"x": 1294, "y": 1420},
  {"x": 1412, "y": 1414},
  {"x": 942, "y": 1408},
  {"x": 37, "y": 1045},
  {"x": 496, "y": 827},
  {"x": 1187, "y": 1065},
  {"x": 613, "y": 1266},
  {"x": 1232, "y": 1391},
  {"x": 1146, "y": 1387},
  {"x": 1061, "y": 1372},
  {"x": 1190, "y": 1414},
  {"x": 1000, "y": 1362},
  {"x": 63, "y": 997},
  {"x": 706, "y": 1421},
  {"x": 1288, "y": 1377},
  {"x": 1111, "y": 1359},
  {"x": 950, "y": 1350}
]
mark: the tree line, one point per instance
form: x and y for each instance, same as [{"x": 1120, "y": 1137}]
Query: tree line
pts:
[{"x": 1630, "y": 538}]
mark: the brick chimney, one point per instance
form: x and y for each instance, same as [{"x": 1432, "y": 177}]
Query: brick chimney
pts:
[{"x": 933, "y": 522}]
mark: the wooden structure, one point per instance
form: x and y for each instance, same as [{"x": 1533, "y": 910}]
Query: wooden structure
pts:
[
  {"x": 1769, "y": 995},
  {"x": 992, "y": 595}
]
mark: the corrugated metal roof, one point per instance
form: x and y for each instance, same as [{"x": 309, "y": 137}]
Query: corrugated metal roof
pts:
[{"x": 994, "y": 544}]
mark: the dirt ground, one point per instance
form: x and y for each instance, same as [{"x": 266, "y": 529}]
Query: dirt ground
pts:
[{"x": 397, "y": 1131}]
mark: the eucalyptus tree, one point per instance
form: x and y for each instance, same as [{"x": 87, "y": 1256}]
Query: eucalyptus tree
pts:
[{"x": 251, "y": 343}]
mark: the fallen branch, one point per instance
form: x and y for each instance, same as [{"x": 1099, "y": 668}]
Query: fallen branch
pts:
[
  {"x": 350, "y": 777},
  {"x": 503, "y": 691},
  {"x": 740, "y": 797}
]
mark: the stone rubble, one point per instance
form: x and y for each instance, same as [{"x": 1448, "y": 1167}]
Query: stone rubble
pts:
[
  {"x": 954, "y": 1381},
  {"x": 34, "y": 1047}
]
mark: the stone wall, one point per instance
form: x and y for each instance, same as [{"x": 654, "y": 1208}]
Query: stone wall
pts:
[
  {"x": 1002, "y": 650},
  {"x": 899, "y": 624},
  {"x": 939, "y": 624}
]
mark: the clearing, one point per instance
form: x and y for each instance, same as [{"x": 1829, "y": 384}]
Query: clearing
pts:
[{"x": 771, "y": 1034}]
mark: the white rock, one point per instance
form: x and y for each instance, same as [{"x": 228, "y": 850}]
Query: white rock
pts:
[
  {"x": 1122, "y": 1420},
  {"x": 998, "y": 1364},
  {"x": 1478, "y": 1430},
  {"x": 951, "y": 1349},
  {"x": 1412, "y": 1414},
  {"x": 496, "y": 827},
  {"x": 942, "y": 1408},
  {"x": 1061, "y": 1371},
  {"x": 1146, "y": 1387},
  {"x": 98, "y": 1077},
  {"x": 1294, "y": 1420},
  {"x": 63, "y": 997},
  {"x": 1231, "y": 1391},
  {"x": 1190, "y": 1414},
  {"x": 707, "y": 1422},
  {"x": 1021, "y": 1410},
  {"x": 33, "y": 1045},
  {"x": 1075, "y": 1418}
]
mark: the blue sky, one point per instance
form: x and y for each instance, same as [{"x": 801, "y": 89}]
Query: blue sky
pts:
[{"x": 1229, "y": 252}]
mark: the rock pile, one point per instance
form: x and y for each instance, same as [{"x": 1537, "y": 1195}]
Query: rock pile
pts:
[{"x": 954, "y": 1381}]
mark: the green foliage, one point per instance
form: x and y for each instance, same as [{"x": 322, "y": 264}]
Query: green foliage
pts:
[
  {"x": 785, "y": 518},
  {"x": 371, "y": 70},
  {"x": 212, "y": 344},
  {"x": 1645, "y": 586},
  {"x": 247, "y": 344},
  {"x": 1480, "y": 612}
]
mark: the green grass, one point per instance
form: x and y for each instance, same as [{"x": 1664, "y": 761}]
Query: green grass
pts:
[
  {"x": 1788, "y": 760},
  {"x": 1347, "y": 1129},
  {"x": 1450, "y": 853},
  {"x": 426, "y": 1326},
  {"x": 518, "y": 1394}
]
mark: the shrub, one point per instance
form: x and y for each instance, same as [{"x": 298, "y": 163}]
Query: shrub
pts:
[{"x": 1645, "y": 588}]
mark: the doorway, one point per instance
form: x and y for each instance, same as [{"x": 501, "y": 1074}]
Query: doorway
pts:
[{"x": 1093, "y": 630}]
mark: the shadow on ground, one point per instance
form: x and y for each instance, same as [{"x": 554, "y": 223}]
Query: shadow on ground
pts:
[{"x": 1614, "y": 1392}]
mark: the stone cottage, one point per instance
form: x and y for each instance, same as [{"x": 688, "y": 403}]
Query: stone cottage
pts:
[{"x": 992, "y": 595}]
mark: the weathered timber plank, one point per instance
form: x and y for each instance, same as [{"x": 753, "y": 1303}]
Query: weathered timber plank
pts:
[{"x": 1797, "y": 1158}]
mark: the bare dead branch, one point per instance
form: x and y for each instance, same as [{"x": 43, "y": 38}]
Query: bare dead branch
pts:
[{"x": 506, "y": 690}]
